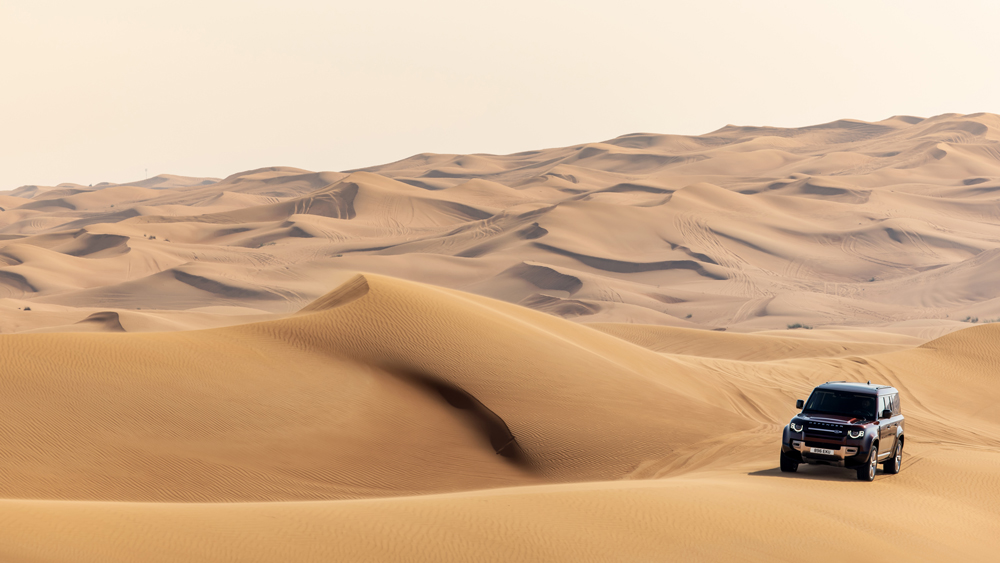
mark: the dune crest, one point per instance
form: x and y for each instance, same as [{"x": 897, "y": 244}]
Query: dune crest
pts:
[
  {"x": 355, "y": 288},
  {"x": 107, "y": 321}
]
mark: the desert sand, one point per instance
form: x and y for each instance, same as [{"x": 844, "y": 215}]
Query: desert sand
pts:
[{"x": 500, "y": 358}]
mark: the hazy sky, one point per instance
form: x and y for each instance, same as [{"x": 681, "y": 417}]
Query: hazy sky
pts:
[{"x": 102, "y": 90}]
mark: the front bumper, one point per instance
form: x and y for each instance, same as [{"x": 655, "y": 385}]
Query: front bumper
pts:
[
  {"x": 842, "y": 455},
  {"x": 847, "y": 452}
]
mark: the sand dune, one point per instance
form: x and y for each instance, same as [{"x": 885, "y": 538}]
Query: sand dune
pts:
[
  {"x": 348, "y": 367},
  {"x": 886, "y": 225},
  {"x": 574, "y": 354},
  {"x": 478, "y": 430}
]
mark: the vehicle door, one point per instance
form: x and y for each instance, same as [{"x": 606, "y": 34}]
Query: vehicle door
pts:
[
  {"x": 886, "y": 431},
  {"x": 897, "y": 415},
  {"x": 896, "y": 421}
]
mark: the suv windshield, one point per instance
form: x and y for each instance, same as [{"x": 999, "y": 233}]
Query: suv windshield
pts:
[{"x": 858, "y": 405}]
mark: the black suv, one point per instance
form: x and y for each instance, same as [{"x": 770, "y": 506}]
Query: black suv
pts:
[{"x": 853, "y": 425}]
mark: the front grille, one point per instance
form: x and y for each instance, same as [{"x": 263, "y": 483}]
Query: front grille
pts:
[{"x": 825, "y": 431}]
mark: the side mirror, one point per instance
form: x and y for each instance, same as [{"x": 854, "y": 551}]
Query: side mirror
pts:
[
  {"x": 799, "y": 404},
  {"x": 886, "y": 414}
]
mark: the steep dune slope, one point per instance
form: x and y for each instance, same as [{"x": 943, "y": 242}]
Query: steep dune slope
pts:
[{"x": 383, "y": 388}]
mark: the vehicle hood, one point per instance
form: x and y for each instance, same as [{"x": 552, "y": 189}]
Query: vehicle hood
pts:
[{"x": 831, "y": 418}]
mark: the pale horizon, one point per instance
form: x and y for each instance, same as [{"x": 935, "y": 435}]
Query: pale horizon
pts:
[{"x": 106, "y": 91}]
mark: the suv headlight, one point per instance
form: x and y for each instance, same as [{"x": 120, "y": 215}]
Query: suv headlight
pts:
[
  {"x": 795, "y": 427},
  {"x": 855, "y": 433}
]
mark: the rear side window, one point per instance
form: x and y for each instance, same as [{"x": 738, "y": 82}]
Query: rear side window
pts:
[{"x": 896, "y": 410}]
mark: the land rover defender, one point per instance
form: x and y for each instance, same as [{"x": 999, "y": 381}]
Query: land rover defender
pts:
[{"x": 851, "y": 425}]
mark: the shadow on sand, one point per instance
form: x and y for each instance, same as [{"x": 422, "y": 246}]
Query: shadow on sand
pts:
[{"x": 815, "y": 473}]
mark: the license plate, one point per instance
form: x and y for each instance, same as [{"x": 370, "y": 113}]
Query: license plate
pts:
[{"x": 821, "y": 451}]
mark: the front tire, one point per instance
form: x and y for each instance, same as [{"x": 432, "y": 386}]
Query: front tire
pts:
[
  {"x": 788, "y": 465},
  {"x": 867, "y": 471},
  {"x": 892, "y": 466}
]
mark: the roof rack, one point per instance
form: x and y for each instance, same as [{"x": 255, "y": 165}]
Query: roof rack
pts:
[{"x": 870, "y": 384}]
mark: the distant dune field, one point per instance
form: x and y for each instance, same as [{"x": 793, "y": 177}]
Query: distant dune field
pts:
[
  {"x": 507, "y": 358},
  {"x": 891, "y": 225}
]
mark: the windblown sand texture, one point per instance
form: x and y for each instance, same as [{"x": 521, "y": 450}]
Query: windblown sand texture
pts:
[{"x": 198, "y": 397}]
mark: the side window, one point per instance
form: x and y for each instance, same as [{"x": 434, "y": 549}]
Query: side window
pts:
[
  {"x": 896, "y": 410},
  {"x": 884, "y": 403}
]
